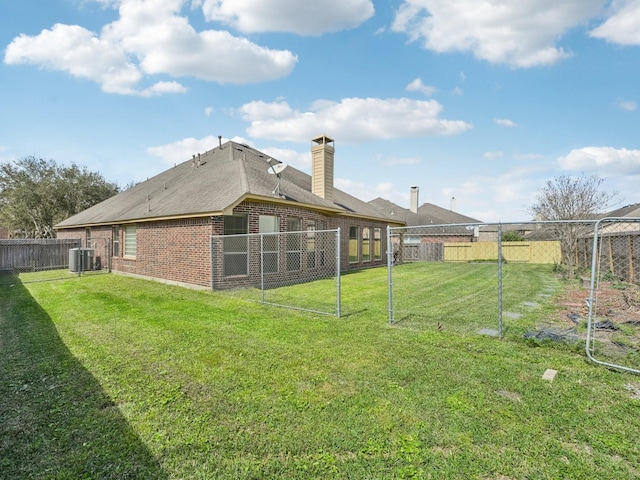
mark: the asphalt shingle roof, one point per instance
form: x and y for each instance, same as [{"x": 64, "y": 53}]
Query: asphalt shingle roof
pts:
[
  {"x": 428, "y": 214},
  {"x": 213, "y": 183}
]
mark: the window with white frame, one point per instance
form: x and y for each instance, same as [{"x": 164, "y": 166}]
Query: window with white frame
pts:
[
  {"x": 269, "y": 226},
  {"x": 236, "y": 245},
  {"x": 130, "y": 241},
  {"x": 311, "y": 244},
  {"x": 377, "y": 244},
  {"x": 354, "y": 244},
  {"x": 366, "y": 244},
  {"x": 294, "y": 243},
  {"x": 115, "y": 232},
  {"x": 322, "y": 225}
]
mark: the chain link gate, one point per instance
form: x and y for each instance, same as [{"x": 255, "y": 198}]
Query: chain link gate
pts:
[
  {"x": 435, "y": 282},
  {"x": 299, "y": 270},
  {"x": 613, "y": 326},
  {"x": 480, "y": 278}
]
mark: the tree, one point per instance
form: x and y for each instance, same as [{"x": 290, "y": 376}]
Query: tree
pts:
[
  {"x": 571, "y": 198},
  {"x": 35, "y": 194},
  {"x": 512, "y": 236}
]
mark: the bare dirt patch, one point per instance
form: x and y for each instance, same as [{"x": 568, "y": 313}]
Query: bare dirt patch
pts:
[
  {"x": 616, "y": 317},
  {"x": 614, "y": 301}
]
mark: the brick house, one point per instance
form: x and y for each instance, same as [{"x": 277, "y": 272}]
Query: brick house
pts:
[{"x": 161, "y": 228}]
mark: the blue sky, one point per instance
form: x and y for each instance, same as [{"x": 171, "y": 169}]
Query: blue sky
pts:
[{"x": 481, "y": 101}]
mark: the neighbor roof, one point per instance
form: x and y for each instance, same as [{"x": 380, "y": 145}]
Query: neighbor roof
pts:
[
  {"x": 632, "y": 210},
  {"x": 214, "y": 183},
  {"x": 428, "y": 214}
]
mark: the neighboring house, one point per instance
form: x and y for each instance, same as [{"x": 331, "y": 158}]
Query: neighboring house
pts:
[
  {"x": 489, "y": 233},
  {"x": 161, "y": 228},
  {"x": 629, "y": 211},
  {"x": 429, "y": 229},
  {"x": 428, "y": 215}
]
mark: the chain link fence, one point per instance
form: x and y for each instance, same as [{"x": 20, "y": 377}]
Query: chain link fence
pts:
[
  {"x": 613, "y": 326},
  {"x": 486, "y": 278},
  {"x": 298, "y": 270}
]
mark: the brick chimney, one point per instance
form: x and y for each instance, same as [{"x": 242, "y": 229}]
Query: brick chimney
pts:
[
  {"x": 413, "y": 199},
  {"x": 322, "y": 151}
]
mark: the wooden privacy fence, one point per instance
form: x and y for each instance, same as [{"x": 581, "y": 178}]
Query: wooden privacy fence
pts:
[
  {"x": 25, "y": 255},
  {"x": 544, "y": 252},
  {"x": 423, "y": 252},
  {"x": 618, "y": 252}
]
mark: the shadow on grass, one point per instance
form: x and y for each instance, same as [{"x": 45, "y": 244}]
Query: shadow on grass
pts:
[{"x": 55, "y": 419}]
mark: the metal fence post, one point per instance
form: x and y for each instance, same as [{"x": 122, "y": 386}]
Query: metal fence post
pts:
[
  {"x": 261, "y": 264},
  {"x": 338, "y": 274},
  {"x": 389, "y": 276},
  {"x": 499, "y": 280}
]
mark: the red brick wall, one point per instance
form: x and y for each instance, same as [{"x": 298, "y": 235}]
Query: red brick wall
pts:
[{"x": 179, "y": 250}]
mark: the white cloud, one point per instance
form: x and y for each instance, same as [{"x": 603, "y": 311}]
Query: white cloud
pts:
[
  {"x": 492, "y": 155},
  {"x": 81, "y": 53},
  {"x": 363, "y": 191},
  {"x": 183, "y": 150},
  {"x": 521, "y": 34},
  {"x": 259, "y": 111},
  {"x": 623, "y": 25},
  {"x": 505, "y": 122},
  {"x": 353, "y": 119},
  {"x": 609, "y": 160},
  {"x": 627, "y": 105},
  {"x": 417, "y": 86},
  {"x": 301, "y": 161},
  {"x": 149, "y": 38},
  {"x": 458, "y": 91},
  {"x": 302, "y": 17},
  {"x": 208, "y": 111},
  {"x": 161, "y": 88},
  {"x": 480, "y": 196}
]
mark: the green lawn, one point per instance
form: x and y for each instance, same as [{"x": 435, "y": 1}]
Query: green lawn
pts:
[
  {"x": 113, "y": 377},
  {"x": 463, "y": 297}
]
